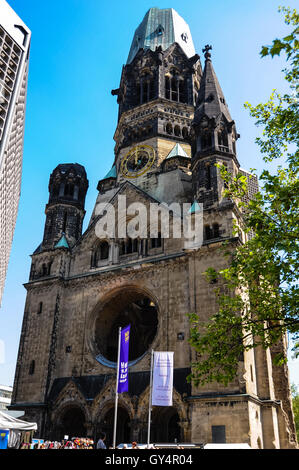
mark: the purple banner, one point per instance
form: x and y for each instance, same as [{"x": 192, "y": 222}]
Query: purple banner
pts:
[{"x": 123, "y": 373}]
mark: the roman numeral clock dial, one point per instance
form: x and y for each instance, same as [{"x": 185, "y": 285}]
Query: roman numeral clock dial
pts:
[{"x": 137, "y": 161}]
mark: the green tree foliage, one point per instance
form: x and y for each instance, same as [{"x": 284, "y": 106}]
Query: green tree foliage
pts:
[
  {"x": 258, "y": 292},
  {"x": 295, "y": 399}
]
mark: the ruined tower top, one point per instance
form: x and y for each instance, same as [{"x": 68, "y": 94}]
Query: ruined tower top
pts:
[{"x": 161, "y": 28}]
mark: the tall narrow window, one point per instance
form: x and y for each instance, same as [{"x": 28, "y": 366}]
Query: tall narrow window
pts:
[
  {"x": 156, "y": 242},
  {"x": 182, "y": 94},
  {"x": 40, "y": 308},
  {"x": 167, "y": 88},
  {"x": 135, "y": 245},
  {"x": 122, "y": 248},
  {"x": 208, "y": 232},
  {"x": 208, "y": 176},
  {"x": 216, "y": 231},
  {"x": 104, "y": 250},
  {"x": 129, "y": 246},
  {"x": 177, "y": 131},
  {"x": 95, "y": 258},
  {"x": 31, "y": 367},
  {"x": 174, "y": 89},
  {"x": 145, "y": 90},
  {"x": 222, "y": 140},
  {"x": 49, "y": 267},
  {"x": 69, "y": 190},
  {"x": 206, "y": 141}
]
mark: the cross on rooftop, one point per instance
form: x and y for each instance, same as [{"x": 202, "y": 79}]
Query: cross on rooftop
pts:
[{"x": 206, "y": 50}]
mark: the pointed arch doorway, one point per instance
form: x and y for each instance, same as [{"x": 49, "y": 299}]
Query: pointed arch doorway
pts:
[
  {"x": 165, "y": 425},
  {"x": 72, "y": 423},
  {"x": 106, "y": 425}
]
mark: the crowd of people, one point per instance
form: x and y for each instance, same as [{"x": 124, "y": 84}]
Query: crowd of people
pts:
[{"x": 75, "y": 443}]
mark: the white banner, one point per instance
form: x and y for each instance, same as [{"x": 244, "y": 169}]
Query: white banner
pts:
[{"x": 162, "y": 379}]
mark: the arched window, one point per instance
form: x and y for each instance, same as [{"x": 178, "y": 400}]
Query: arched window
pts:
[
  {"x": 175, "y": 88},
  {"x": 44, "y": 269},
  {"x": 169, "y": 128},
  {"x": 206, "y": 141},
  {"x": 185, "y": 132},
  {"x": 31, "y": 367},
  {"x": 103, "y": 250},
  {"x": 145, "y": 89},
  {"x": 222, "y": 140},
  {"x": 129, "y": 246},
  {"x": 69, "y": 189},
  {"x": 177, "y": 131}
]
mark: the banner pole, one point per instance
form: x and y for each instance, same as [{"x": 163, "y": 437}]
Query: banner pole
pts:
[
  {"x": 116, "y": 390},
  {"x": 150, "y": 401}
]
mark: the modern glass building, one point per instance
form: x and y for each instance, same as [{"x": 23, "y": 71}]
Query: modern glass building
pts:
[{"x": 14, "y": 59}]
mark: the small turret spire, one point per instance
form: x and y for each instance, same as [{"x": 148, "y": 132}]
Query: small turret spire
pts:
[
  {"x": 211, "y": 101},
  {"x": 214, "y": 129}
]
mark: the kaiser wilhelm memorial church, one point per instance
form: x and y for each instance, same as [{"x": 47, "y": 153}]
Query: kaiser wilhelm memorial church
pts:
[{"x": 173, "y": 126}]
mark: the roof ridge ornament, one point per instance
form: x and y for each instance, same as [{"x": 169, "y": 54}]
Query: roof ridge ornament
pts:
[{"x": 206, "y": 50}]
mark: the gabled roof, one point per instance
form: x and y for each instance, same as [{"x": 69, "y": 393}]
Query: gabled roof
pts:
[
  {"x": 177, "y": 151},
  {"x": 62, "y": 243},
  {"x": 111, "y": 173},
  {"x": 195, "y": 208}
]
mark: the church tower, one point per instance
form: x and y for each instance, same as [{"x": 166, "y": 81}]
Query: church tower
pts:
[
  {"x": 173, "y": 126},
  {"x": 65, "y": 209}
]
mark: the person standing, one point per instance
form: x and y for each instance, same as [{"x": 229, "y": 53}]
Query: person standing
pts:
[{"x": 101, "y": 444}]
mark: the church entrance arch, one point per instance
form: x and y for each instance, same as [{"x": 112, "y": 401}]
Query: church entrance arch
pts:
[
  {"x": 126, "y": 306},
  {"x": 165, "y": 425},
  {"x": 106, "y": 425},
  {"x": 72, "y": 423}
]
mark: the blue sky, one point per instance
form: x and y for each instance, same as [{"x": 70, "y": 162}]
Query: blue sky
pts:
[{"x": 77, "y": 52}]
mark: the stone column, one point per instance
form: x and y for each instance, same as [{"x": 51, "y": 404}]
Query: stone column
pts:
[
  {"x": 185, "y": 426},
  {"x": 136, "y": 428},
  {"x": 89, "y": 429}
]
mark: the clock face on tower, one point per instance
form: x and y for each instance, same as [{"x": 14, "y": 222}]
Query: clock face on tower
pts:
[{"x": 137, "y": 161}]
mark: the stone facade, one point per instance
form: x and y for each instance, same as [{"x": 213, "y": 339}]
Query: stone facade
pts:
[{"x": 81, "y": 288}]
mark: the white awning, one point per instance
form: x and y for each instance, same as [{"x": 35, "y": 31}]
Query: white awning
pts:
[{"x": 9, "y": 422}]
